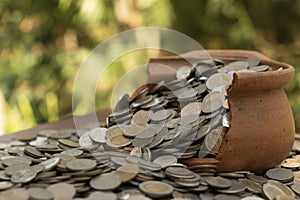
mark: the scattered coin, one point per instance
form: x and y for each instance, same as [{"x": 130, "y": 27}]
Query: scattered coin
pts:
[
  {"x": 23, "y": 176},
  {"x": 271, "y": 189},
  {"x": 5, "y": 185},
  {"x": 165, "y": 161},
  {"x": 280, "y": 174},
  {"x": 15, "y": 194},
  {"x": 127, "y": 172},
  {"x": 102, "y": 195},
  {"x": 106, "y": 182},
  {"x": 98, "y": 135},
  {"x": 218, "y": 182},
  {"x": 39, "y": 193},
  {"x": 81, "y": 164},
  {"x": 62, "y": 190},
  {"x": 156, "y": 189}
]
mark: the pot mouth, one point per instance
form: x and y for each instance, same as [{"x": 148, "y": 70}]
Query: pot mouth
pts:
[{"x": 281, "y": 75}]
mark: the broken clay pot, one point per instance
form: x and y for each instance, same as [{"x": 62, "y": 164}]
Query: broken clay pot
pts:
[{"x": 262, "y": 125}]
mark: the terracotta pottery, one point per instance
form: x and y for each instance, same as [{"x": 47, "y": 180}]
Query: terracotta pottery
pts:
[{"x": 262, "y": 125}]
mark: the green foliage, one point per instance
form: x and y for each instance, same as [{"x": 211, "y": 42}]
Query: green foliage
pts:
[{"x": 43, "y": 44}]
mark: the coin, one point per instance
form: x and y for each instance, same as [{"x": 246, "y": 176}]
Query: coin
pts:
[
  {"x": 15, "y": 194},
  {"x": 14, "y": 168},
  {"x": 280, "y": 174},
  {"x": 81, "y": 164},
  {"x": 257, "y": 179},
  {"x": 39, "y": 193},
  {"x": 118, "y": 141},
  {"x": 217, "y": 80},
  {"x": 260, "y": 68},
  {"x": 123, "y": 103},
  {"x": 183, "y": 72},
  {"x": 160, "y": 115},
  {"x": 102, "y": 195},
  {"x": 50, "y": 163},
  {"x": 235, "y": 188},
  {"x": 5, "y": 185},
  {"x": 253, "y": 61},
  {"x": 213, "y": 140},
  {"x": 218, "y": 182},
  {"x": 23, "y": 176},
  {"x": 85, "y": 140},
  {"x": 252, "y": 198},
  {"x": 141, "y": 117},
  {"x": 68, "y": 143},
  {"x": 165, "y": 161},
  {"x": 133, "y": 130},
  {"x": 251, "y": 186},
  {"x": 127, "y": 172},
  {"x": 144, "y": 138},
  {"x": 31, "y": 151},
  {"x": 210, "y": 106},
  {"x": 179, "y": 172},
  {"x": 106, "y": 182},
  {"x": 156, "y": 189},
  {"x": 62, "y": 190},
  {"x": 271, "y": 189},
  {"x": 98, "y": 135},
  {"x": 16, "y": 160},
  {"x": 226, "y": 197},
  {"x": 73, "y": 152},
  {"x": 191, "y": 109}
]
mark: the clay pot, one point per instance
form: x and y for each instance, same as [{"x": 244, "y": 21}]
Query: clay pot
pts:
[{"x": 262, "y": 125}]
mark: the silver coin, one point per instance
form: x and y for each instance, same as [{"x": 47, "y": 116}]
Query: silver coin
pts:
[
  {"x": 23, "y": 176},
  {"x": 15, "y": 194},
  {"x": 165, "y": 161},
  {"x": 217, "y": 80},
  {"x": 16, "y": 160},
  {"x": 218, "y": 182},
  {"x": 73, "y": 152},
  {"x": 123, "y": 103},
  {"x": 50, "y": 163},
  {"x": 271, "y": 189},
  {"x": 85, "y": 140},
  {"x": 98, "y": 135},
  {"x": 62, "y": 190},
  {"x": 280, "y": 174},
  {"x": 183, "y": 72},
  {"x": 81, "y": 164},
  {"x": 5, "y": 185},
  {"x": 102, "y": 195},
  {"x": 16, "y": 167},
  {"x": 106, "y": 182},
  {"x": 40, "y": 193}
]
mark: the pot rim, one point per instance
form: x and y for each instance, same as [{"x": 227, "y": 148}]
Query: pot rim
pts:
[{"x": 250, "y": 80}]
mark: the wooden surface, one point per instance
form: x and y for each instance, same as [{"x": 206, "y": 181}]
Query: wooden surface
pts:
[{"x": 60, "y": 124}]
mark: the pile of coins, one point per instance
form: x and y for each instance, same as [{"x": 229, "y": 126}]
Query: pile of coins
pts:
[
  {"x": 142, "y": 151},
  {"x": 53, "y": 165}
]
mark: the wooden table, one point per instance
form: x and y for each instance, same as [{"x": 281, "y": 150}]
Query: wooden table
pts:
[{"x": 60, "y": 124}]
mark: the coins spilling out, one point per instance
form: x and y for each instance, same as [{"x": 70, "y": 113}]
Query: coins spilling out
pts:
[{"x": 147, "y": 149}]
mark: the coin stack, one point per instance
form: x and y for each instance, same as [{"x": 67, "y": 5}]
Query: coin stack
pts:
[{"x": 142, "y": 151}]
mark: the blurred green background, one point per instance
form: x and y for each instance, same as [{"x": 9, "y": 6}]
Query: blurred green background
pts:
[{"x": 43, "y": 43}]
